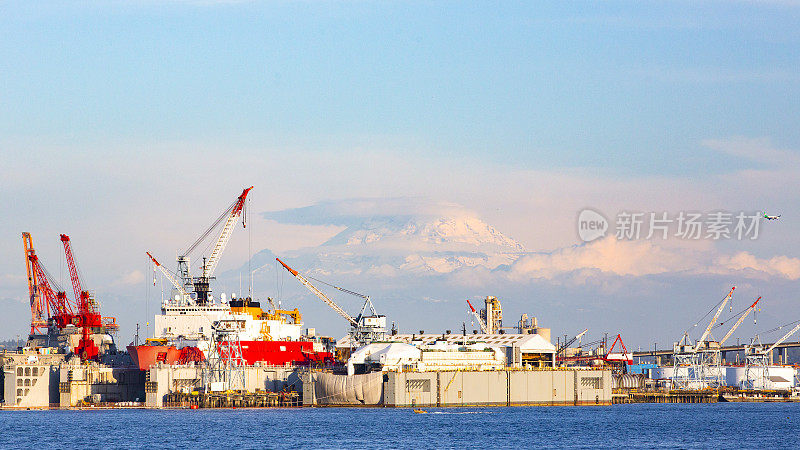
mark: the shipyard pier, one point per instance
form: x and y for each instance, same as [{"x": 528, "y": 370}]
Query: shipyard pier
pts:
[{"x": 213, "y": 350}]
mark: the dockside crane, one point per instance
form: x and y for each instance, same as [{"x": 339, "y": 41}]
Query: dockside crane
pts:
[
  {"x": 739, "y": 322},
  {"x": 38, "y": 313},
  {"x": 699, "y": 366},
  {"x": 172, "y": 279},
  {"x": 577, "y": 337},
  {"x": 200, "y": 284},
  {"x": 364, "y": 329},
  {"x": 617, "y": 360},
  {"x": 87, "y": 317},
  {"x": 702, "y": 339},
  {"x": 757, "y": 361},
  {"x": 48, "y": 300},
  {"x": 477, "y": 316}
]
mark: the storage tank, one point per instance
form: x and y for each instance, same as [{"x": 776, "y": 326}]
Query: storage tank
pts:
[{"x": 778, "y": 377}]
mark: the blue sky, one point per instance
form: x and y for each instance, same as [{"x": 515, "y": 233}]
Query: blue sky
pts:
[
  {"x": 116, "y": 117},
  {"x": 629, "y": 86}
]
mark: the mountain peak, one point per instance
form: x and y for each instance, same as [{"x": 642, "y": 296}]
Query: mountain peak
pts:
[{"x": 423, "y": 232}]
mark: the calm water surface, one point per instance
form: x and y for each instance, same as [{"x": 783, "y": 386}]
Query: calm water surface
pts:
[{"x": 723, "y": 425}]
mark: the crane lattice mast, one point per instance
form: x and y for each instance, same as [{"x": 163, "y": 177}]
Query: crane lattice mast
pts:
[
  {"x": 713, "y": 320},
  {"x": 38, "y": 317},
  {"x": 225, "y": 235},
  {"x": 229, "y": 216}
]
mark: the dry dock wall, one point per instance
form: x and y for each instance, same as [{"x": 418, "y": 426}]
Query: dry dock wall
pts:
[
  {"x": 461, "y": 388},
  {"x": 30, "y": 385}
]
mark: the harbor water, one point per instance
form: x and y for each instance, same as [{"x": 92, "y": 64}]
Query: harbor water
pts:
[{"x": 721, "y": 425}]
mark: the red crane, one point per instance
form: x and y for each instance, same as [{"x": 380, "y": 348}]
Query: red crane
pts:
[
  {"x": 86, "y": 318},
  {"x": 46, "y": 303}
]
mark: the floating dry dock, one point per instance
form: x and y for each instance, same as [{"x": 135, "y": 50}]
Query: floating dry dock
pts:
[{"x": 459, "y": 388}]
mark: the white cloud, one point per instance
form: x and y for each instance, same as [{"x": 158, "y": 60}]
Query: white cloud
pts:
[
  {"x": 131, "y": 278},
  {"x": 777, "y": 266},
  {"x": 612, "y": 257},
  {"x": 355, "y": 210}
]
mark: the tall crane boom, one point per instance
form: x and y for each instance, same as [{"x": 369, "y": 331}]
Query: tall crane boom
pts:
[
  {"x": 38, "y": 318},
  {"x": 739, "y": 322},
  {"x": 81, "y": 296},
  {"x": 713, "y": 320},
  {"x": 319, "y": 294},
  {"x": 228, "y": 219},
  {"x": 574, "y": 338},
  {"x": 780, "y": 341},
  {"x": 171, "y": 278},
  {"x": 477, "y": 317},
  {"x": 230, "y": 216}
]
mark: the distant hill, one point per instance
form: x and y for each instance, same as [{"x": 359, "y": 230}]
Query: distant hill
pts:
[{"x": 11, "y": 344}]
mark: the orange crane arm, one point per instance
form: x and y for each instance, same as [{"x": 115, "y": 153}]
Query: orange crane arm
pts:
[
  {"x": 319, "y": 294},
  {"x": 38, "y": 319}
]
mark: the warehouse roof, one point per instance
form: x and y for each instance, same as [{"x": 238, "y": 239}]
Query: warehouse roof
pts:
[{"x": 525, "y": 341}]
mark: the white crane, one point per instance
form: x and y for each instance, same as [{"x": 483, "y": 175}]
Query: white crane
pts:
[
  {"x": 201, "y": 284},
  {"x": 702, "y": 339},
  {"x": 478, "y": 318},
  {"x": 169, "y": 276},
  {"x": 577, "y": 337},
  {"x": 231, "y": 215},
  {"x": 739, "y": 322},
  {"x": 780, "y": 341},
  {"x": 758, "y": 362}
]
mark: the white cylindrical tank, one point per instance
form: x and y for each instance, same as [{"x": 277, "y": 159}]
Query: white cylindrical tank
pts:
[{"x": 778, "y": 377}]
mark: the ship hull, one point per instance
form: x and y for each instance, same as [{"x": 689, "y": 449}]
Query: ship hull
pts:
[
  {"x": 278, "y": 353},
  {"x": 145, "y": 356},
  {"x": 281, "y": 353}
]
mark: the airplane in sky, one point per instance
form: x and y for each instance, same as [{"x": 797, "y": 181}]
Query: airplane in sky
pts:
[{"x": 768, "y": 217}]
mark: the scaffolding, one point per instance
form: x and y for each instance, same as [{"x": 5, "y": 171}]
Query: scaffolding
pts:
[
  {"x": 696, "y": 368},
  {"x": 756, "y": 372},
  {"x": 224, "y": 369}
]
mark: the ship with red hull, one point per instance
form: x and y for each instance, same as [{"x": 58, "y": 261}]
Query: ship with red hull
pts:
[
  {"x": 273, "y": 337},
  {"x": 279, "y": 353},
  {"x": 193, "y": 324}
]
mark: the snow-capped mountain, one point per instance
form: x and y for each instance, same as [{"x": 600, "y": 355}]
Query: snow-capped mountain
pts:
[
  {"x": 426, "y": 233},
  {"x": 386, "y": 240},
  {"x": 394, "y": 245}
]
